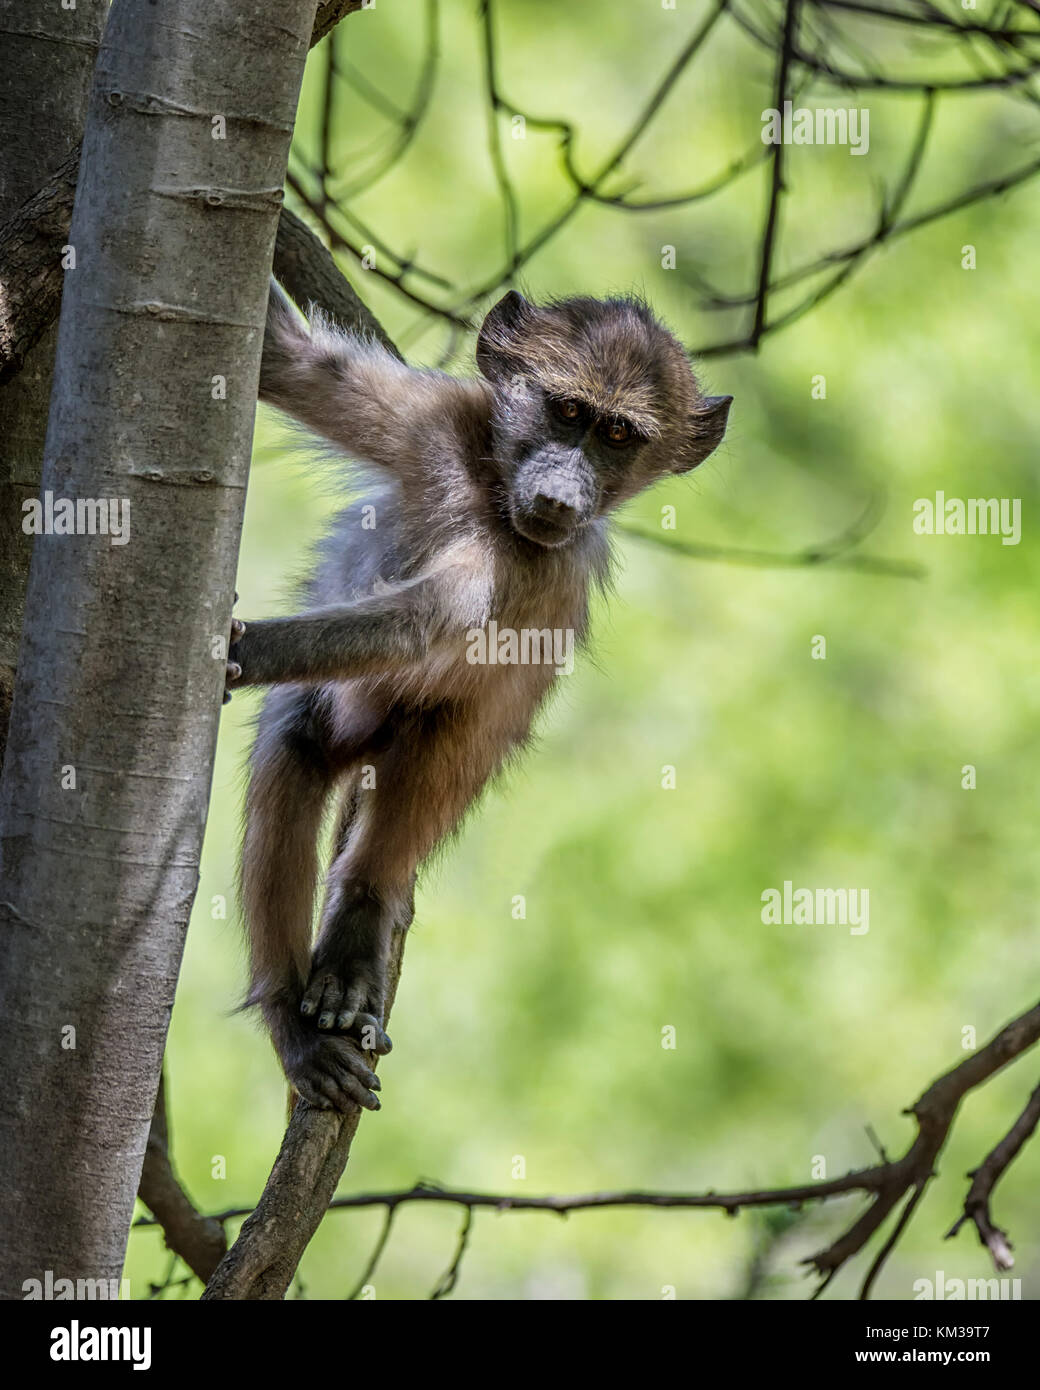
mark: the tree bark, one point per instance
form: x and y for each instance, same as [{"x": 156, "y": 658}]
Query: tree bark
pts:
[
  {"x": 49, "y": 55},
  {"x": 31, "y": 274},
  {"x": 31, "y": 269},
  {"x": 307, "y": 269},
  {"x": 106, "y": 783},
  {"x": 330, "y": 12}
]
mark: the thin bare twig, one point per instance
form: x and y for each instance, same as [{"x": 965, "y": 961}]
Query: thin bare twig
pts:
[
  {"x": 777, "y": 187},
  {"x": 985, "y": 1178},
  {"x": 300, "y": 1189}
]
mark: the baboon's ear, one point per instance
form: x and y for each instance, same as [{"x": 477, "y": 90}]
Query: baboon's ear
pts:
[
  {"x": 499, "y": 332},
  {"x": 707, "y": 427}
]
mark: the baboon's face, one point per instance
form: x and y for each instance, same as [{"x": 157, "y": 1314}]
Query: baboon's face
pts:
[
  {"x": 594, "y": 401},
  {"x": 562, "y": 461}
]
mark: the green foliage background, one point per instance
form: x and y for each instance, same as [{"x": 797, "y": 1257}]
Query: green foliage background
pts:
[{"x": 540, "y": 1039}]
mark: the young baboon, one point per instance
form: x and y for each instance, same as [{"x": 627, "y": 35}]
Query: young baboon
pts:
[{"x": 490, "y": 507}]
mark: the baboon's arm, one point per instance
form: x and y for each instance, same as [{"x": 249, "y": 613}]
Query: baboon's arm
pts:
[{"x": 357, "y": 395}]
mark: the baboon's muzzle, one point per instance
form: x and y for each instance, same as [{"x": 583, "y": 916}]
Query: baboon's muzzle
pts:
[{"x": 554, "y": 494}]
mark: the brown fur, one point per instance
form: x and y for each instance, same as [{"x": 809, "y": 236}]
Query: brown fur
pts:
[{"x": 491, "y": 506}]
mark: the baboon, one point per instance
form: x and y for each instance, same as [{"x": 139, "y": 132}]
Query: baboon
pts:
[{"x": 489, "y": 504}]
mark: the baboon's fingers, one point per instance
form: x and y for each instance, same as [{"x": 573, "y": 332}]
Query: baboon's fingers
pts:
[
  {"x": 330, "y": 1072},
  {"x": 369, "y": 1030},
  {"x": 314, "y": 994},
  {"x": 358, "y": 1089},
  {"x": 353, "y": 998}
]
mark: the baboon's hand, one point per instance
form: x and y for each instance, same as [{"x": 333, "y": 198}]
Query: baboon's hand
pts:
[
  {"x": 348, "y": 997},
  {"x": 329, "y": 1072},
  {"x": 233, "y": 671}
]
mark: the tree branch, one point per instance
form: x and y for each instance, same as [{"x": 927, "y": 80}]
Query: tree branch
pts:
[
  {"x": 261, "y": 1263},
  {"x": 31, "y": 273},
  {"x": 30, "y": 266},
  {"x": 198, "y": 1240},
  {"x": 985, "y": 1178},
  {"x": 330, "y": 12},
  {"x": 308, "y": 271},
  {"x": 317, "y": 1145},
  {"x": 934, "y": 1114},
  {"x": 777, "y": 187}
]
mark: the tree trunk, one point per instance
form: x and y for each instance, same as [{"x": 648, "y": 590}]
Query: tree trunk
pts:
[
  {"x": 49, "y": 55},
  {"x": 106, "y": 783}
]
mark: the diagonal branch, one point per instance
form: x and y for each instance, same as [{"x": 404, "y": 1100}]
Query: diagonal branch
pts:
[
  {"x": 329, "y": 14},
  {"x": 934, "y": 1113},
  {"x": 985, "y": 1178},
  {"x": 198, "y": 1240},
  {"x": 309, "y": 272},
  {"x": 300, "y": 1190},
  {"x": 261, "y": 1263}
]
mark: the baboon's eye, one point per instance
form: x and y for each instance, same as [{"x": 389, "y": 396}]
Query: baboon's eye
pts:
[
  {"x": 568, "y": 410},
  {"x": 618, "y": 431}
]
